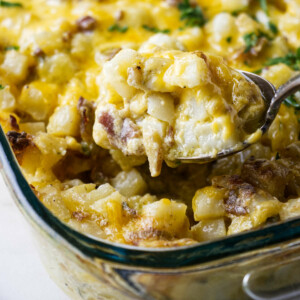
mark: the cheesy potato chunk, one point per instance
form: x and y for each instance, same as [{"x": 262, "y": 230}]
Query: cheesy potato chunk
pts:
[
  {"x": 98, "y": 99},
  {"x": 171, "y": 104}
]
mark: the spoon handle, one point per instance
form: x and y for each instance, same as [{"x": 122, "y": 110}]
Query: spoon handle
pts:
[{"x": 282, "y": 93}]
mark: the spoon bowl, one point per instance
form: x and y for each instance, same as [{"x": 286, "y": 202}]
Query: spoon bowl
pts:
[{"x": 273, "y": 99}]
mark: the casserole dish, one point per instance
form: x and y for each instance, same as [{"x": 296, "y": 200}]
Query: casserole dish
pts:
[{"x": 257, "y": 264}]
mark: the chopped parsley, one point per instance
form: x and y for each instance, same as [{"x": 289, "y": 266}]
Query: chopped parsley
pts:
[
  {"x": 12, "y": 48},
  {"x": 192, "y": 15},
  {"x": 229, "y": 39},
  {"x": 291, "y": 101},
  {"x": 1, "y": 87},
  {"x": 291, "y": 59},
  {"x": 273, "y": 27},
  {"x": 277, "y": 156},
  {"x": 156, "y": 30},
  {"x": 264, "y": 6},
  {"x": 116, "y": 27},
  {"x": 10, "y": 4},
  {"x": 251, "y": 39}
]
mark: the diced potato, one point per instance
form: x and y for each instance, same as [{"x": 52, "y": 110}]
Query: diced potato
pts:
[
  {"x": 192, "y": 38},
  {"x": 161, "y": 40},
  {"x": 223, "y": 26},
  {"x": 262, "y": 207},
  {"x": 115, "y": 72},
  {"x": 187, "y": 71},
  {"x": 240, "y": 224},
  {"x": 38, "y": 99},
  {"x": 15, "y": 66},
  {"x": 234, "y": 5},
  {"x": 138, "y": 104},
  {"x": 50, "y": 195},
  {"x": 58, "y": 68},
  {"x": 7, "y": 99},
  {"x": 166, "y": 215},
  {"x": 33, "y": 128},
  {"x": 110, "y": 209},
  {"x": 102, "y": 191},
  {"x": 290, "y": 209},
  {"x": 81, "y": 45},
  {"x": 127, "y": 162},
  {"x": 64, "y": 121},
  {"x": 49, "y": 144},
  {"x": 161, "y": 106},
  {"x": 207, "y": 230},
  {"x": 130, "y": 183},
  {"x": 208, "y": 203},
  {"x": 75, "y": 198}
]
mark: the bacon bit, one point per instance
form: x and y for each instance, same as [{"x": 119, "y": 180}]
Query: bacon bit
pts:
[
  {"x": 86, "y": 23},
  {"x": 19, "y": 141},
  {"x": 67, "y": 36},
  {"x": 13, "y": 123},
  {"x": 119, "y": 15},
  {"x": 234, "y": 205},
  {"x": 79, "y": 215},
  {"x": 38, "y": 52},
  {"x": 86, "y": 110},
  {"x": 107, "y": 121},
  {"x": 129, "y": 130},
  {"x": 129, "y": 211},
  {"x": 169, "y": 139},
  {"x": 149, "y": 233}
]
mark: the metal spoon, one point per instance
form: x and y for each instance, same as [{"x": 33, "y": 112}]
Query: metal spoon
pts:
[{"x": 273, "y": 101}]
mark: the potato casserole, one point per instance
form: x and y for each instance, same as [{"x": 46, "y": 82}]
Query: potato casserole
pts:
[{"x": 99, "y": 97}]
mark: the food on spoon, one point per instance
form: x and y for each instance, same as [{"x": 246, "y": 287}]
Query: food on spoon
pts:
[{"x": 167, "y": 104}]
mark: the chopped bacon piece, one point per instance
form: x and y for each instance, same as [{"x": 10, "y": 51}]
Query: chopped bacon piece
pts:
[{"x": 86, "y": 23}]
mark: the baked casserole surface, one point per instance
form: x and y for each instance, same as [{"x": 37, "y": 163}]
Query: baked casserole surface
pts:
[{"x": 98, "y": 98}]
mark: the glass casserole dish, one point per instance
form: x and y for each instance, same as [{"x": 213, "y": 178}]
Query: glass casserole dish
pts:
[{"x": 94, "y": 90}]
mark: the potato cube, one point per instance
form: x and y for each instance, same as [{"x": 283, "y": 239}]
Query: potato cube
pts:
[
  {"x": 38, "y": 99},
  {"x": 33, "y": 128},
  {"x": 188, "y": 71},
  {"x": 64, "y": 121},
  {"x": 161, "y": 106},
  {"x": 7, "y": 99},
  {"x": 240, "y": 224},
  {"x": 207, "y": 230},
  {"x": 49, "y": 144},
  {"x": 290, "y": 209},
  {"x": 208, "y": 203},
  {"x": 262, "y": 207},
  {"x": 102, "y": 191},
  {"x": 15, "y": 66},
  {"x": 110, "y": 209},
  {"x": 130, "y": 183},
  {"x": 166, "y": 215},
  {"x": 58, "y": 68}
]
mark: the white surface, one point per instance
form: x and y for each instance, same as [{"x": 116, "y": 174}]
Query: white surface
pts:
[{"x": 22, "y": 276}]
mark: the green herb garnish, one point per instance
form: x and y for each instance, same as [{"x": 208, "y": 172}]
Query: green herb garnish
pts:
[
  {"x": 291, "y": 101},
  {"x": 264, "y": 6},
  {"x": 1, "y": 87},
  {"x": 116, "y": 27},
  {"x": 192, "y": 15},
  {"x": 277, "y": 156},
  {"x": 12, "y": 48},
  {"x": 257, "y": 71},
  {"x": 229, "y": 39},
  {"x": 156, "y": 30},
  {"x": 251, "y": 39},
  {"x": 273, "y": 27},
  {"x": 291, "y": 59},
  {"x": 10, "y": 4}
]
